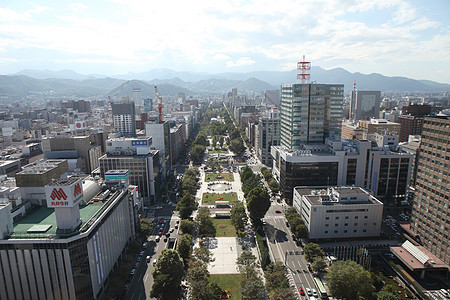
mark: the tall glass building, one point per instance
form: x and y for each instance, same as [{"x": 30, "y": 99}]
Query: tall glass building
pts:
[{"x": 310, "y": 113}]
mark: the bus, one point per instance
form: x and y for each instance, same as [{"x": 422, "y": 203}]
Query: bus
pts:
[{"x": 320, "y": 288}]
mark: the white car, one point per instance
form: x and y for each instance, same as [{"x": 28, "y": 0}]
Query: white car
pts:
[
  {"x": 308, "y": 292},
  {"x": 314, "y": 292}
]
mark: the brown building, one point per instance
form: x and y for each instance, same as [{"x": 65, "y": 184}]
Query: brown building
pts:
[
  {"x": 351, "y": 132},
  {"x": 411, "y": 120},
  {"x": 380, "y": 126},
  {"x": 430, "y": 219}
]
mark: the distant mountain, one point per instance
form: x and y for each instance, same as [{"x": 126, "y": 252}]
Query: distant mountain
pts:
[{"x": 170, "y": 82}]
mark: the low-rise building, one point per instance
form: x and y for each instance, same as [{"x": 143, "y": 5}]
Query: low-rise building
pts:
[{"x": 338, "y": 212}]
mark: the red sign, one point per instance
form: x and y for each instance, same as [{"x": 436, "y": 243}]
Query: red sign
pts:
[
  {"x": 58, "y": 194},
  {"x": 77, "y": 190}
]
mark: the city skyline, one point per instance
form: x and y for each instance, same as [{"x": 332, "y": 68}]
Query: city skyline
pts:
[{"x": 394, "y": 38}]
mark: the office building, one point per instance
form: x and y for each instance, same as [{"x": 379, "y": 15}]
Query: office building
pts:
[
  {"x": 267, "y": 134},
  {"x": 136, "y": 95},
  {"x": 411, "y": 120},
  {"x": 429, "y": 219},
  {"x": 177, "y": 140},
  {"x": 380, "y": 126},
  {"x": 124, "y": 118},
  {"x": 310, "y": 113},
  {"x": 66, "y": 249},
  {"x": 380, "y": 170},
  {"x": 160, "y": 134},
  {"x": 136, "y": 156},
  {"x": 351, "y": 132},
  {"x": 272, "y": 98},
  {"x": 148, "y": 105},
  {"x": 338, "y": 212},
  {"x": 364, "y": 105}
]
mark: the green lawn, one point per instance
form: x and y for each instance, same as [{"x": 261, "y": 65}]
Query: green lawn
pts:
[
  {"x": 218, "y": 151},
  {"x": 229, "y": 282},
  {"x": 224, "y": 228},
  {"x": 213, "y": 177},
  {"x": 211, "y": 198}
]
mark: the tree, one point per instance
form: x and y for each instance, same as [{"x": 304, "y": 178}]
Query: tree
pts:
[
  {"x": 237, "y": 146},
  {"x": 184, "y": 247},
  {"x": 221, "y": 139},
  {"x": 318, "y": 265},
  {"x": 186, "y": 226},
  {"x": 348, "y": 280},
  {"x": 204, "y": 223},
  {"x": 186, "y": 205},
  {"x": 253, "y": 289},
  {"x": 146, "y": 226},
  {"x": 247, "y": 264},
  {"x": 202, "y": 253},
  {"x": 312, "y": 251},
  {"x": 258, "y": 203},
  {"x": 385, "y": 295},
  {"x": 201, "y": 140},
  {"x": 197, "y": 153},
  {"x": 273, "y": 185},
  {"x": 246, "y": 173},
  {"x": 167, "y": 275},
  {"x": 238, "y": 216},
  {"x": 214, "y": 141},
  {"x": 301, "y": 231},
  {"x": 234, "y": 134},
  {"x": 197, "y": 278},
  {"x": 276, "y": 276}
]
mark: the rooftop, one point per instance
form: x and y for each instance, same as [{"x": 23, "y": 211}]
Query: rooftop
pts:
[
  {"x": 41, "y": 166},
  {"x": 323, "y": 195}
]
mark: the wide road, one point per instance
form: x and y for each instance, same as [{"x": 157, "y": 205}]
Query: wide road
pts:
[
  {"x": 284, "y": 248},
  {"x": 142, "y": 281}
]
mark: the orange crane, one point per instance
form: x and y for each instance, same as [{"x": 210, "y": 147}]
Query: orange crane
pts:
[
  {"x": 116, "y": 93},
  {"x": 160, "y": 106}
]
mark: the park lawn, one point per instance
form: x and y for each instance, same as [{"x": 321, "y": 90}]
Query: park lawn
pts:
[
  {"x": 218, "y": 151},
  {"x": 227, "y": 231},
  {"x": 213, "y": 177},
  {"x": 229, "y": 282},
  {"x": 212, "y": 198}
]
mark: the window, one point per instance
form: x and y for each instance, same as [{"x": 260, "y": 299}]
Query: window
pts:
[
  {"x": 345, "y": 231},
  {"x": 346, "y": 224},
  {"x": 355, "y": 230},
  {"x": 365, "y": 217},
  {"x": 356, "y": 217},
  {"x": 336, "y": 225},
  {"x": 346, "y": 217},
  {"x": 327, "y": 218},
  {"x": 335, "y": 231},
  {"x": 337, "y": 218},
  {"x": 326, "y": 225},
  {"x": 356, "y": 224},
  {"x": 326, "y": 231},
  {"x": 364, "y": 230}
]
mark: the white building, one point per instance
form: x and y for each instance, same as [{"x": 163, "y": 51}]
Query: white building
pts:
[
  {"x": 267, "y": 134},
  {"x": 338, "y": 212}
]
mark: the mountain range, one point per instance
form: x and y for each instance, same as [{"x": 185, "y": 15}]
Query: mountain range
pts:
[{"x": 170, "y": 82}]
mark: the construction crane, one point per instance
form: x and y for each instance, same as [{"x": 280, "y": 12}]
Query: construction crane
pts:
[
  {"x": 160, "y": 106},
  {"x": 110, "y": 98}
]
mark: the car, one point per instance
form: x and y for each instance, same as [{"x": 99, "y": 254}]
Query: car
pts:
[
  {"x": 171, "y": 229},
  {"x": 176, "y": 226},
  {"x": 263, "y": 222},
  {"x": 278, "y": 211},
  {"x": 147, "y": 259},
  {"x": 308, "y": 291},
  {"x": 139, "y": 258},
  {"x": 301, "y": 291},
  {"x": 168, "y": 234},
  {"x": 160, "y": 233},
  {"x": 132, "y": 272},
  {"x": 136, "y": 265},
  {"x": 154, "y": 262},
  {"x": 144, "y": 245},
  {"x": 165, "y": 239},
  {"x": 178, "y": 221},
  {"x": 141, "y": 253},
  {"x": 314, "y": 292}
]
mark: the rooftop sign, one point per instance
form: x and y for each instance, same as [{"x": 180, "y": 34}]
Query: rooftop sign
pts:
[{"x": 64, "y": 195}]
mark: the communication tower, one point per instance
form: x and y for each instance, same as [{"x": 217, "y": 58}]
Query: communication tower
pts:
[{"x": 303, "y": 68}]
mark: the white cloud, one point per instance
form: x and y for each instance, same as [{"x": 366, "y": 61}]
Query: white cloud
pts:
[
  {"x": 78, "y": 7},
  {"x": 243, "y": 61},
  {"x": 221, "y": 56}
]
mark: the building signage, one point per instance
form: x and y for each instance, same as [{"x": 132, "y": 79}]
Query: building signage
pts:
[
  {"x": 141, "y": 143},
  {"x": 64, "y": 195}
]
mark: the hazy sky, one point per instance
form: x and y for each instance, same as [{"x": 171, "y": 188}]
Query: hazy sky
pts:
[{"x": 392, "y": 37}]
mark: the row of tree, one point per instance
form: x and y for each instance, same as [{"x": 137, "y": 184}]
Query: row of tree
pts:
[
  {"x": 296, "y": 222},
  {"x": 277, "y": 282},
  {"x": 198, "y": 149},
  {"x": 258, "y": 200},
  {"x": 252, "y": 285},
  {"x": 268, "y": 177},
  {"x": 186, "y": 202}
]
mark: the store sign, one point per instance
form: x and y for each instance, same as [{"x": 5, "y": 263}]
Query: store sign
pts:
[{"x": 64, "y": 195}]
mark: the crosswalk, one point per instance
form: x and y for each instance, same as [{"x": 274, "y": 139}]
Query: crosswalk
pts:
[{"x": 292, "y": 283}]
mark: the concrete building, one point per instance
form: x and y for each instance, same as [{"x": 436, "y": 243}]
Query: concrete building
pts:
[
  {"x": 66, "y": 252},
  {"x": 380, "y": 126},
  {"x": 267, "y": 134},
  {"x": 364, "y": 105},
  {"x": 148, "y": 105},
  {"x": 124, "y": 118},
  {"x": 9, "y": 167},
  {"x": 351, "y": 132},
  {"x": 411, "y": 120},
  {"x": 310, "y": 113},
  {"x": 177, "y": 140},
  {"x": 429, "y": 220},
  {"x": 380, "y": 170},
  {"x": 160, "y": 134},
  {"x": 79, "y": 151},
  {"x": 136, "y": 156},
  {"x": 338, "y": 212},
  {"x": 272, "y": 98}
]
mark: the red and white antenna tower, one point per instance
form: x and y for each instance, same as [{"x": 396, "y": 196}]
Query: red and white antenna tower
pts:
[
  {"x": 304, "y": 67},
  {"x": 160, "y": 106}
]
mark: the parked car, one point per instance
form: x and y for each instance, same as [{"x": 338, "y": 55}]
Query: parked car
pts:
[
  {"x": 147, "y": 259},
  {"x": 314, "y": 292},
  {"x": 132, "y": 272},
  {"x": 308, "y": 291},
  {"x": 154, "y": 262},
  {"x": 301, "y": 291},
  {"x": 144, "y": 245},
  {"x": 157, "y": 239},
  {"x": 278, "y": 211},
  {"x": 171, "y": 229}
]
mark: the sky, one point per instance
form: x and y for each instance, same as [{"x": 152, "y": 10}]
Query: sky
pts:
[{"x": 408, "y": 38}]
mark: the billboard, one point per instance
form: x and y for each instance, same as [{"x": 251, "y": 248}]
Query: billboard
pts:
[
  {"x": 141, "y": 142},
  {"x": 64, "y": 195}
]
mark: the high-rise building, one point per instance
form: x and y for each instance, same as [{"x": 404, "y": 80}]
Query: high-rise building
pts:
[
  {"x": 160, "y": 134},
  {"x": 124, "y": 118},
  {"x": 380, "y": 170},
  {"x": 267, "y": 134},
  {"x": 310, "y": 113},
  {"x": 364, "y": 105},
  {"x": 411, "y": 120},
  {"x": 430, "y": 219},
  {"x": 136, "y": 95},
  {"x": 148, "y": 105}
]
